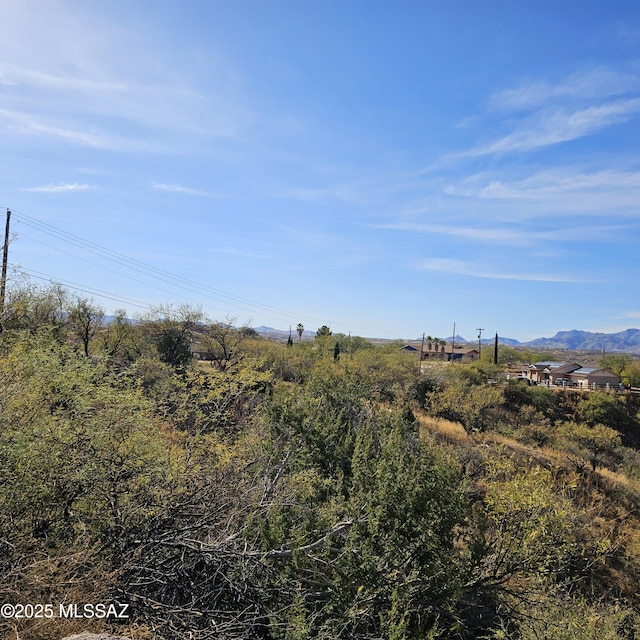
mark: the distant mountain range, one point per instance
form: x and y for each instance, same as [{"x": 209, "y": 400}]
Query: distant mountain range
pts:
[
  {"x": 627, "y": 341},
  {"x": 281, "y": 334}
]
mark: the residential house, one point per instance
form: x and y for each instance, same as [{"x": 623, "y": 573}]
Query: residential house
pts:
[
  {"x": 444, "y": 352},
  {"x": 549, "y": 372},
  {"x": 571, "y": 374},
  {"x": 595, "y": 378}
]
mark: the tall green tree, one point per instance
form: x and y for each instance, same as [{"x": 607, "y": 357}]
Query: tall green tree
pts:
[
  {"x": 222, "y": 343},
  {"x": 171, "y": 330},
  {"x": 37, "y": 308},
  {"x": 631, "y": 374},
  {"x": 85, "y": 320},
  {"x": 323, "y": 332},
  {"x": 615, "y": 362},
  {"x": 120, "y": 339}
]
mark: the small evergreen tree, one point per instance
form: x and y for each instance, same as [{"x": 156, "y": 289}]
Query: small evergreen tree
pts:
[{"x": 323, "y": 331}]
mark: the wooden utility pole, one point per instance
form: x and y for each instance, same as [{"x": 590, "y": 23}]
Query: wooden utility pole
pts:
[
  {"x": 5, "y": 259},
  {"x": 495, "y": 350},
  {"x": 479, "y": 342}
]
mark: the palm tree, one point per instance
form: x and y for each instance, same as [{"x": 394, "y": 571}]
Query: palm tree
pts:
[{"x": 300, "y": 330}]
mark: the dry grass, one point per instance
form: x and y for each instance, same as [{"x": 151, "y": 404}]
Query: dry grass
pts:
[
  {"x": 615, "y": 478},
  {"x": 625, "y": 490},
  {"x": 452, "y": 432},
  {"x": 455, "y": 434},
  {"x": 45, "y": 578}
]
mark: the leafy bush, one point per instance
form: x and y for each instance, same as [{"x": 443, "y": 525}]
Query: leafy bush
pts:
[{"x": 602, "y": 408}]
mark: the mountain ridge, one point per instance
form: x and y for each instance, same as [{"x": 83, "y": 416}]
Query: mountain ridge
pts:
[{"x": 627, "y": 341}]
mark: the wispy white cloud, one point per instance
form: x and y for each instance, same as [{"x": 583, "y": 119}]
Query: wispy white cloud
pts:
[
  {"x": 498, "y": 235},
  {"x": 77, "y": 61},
  {"x": 472, "y": 270},
  {"x": 600, "y": 82},
  {"x": 545, "y": 184},
  {"x": 15, "y": 75},
  {"x": 543, "y": 113},
  {"x": 178, "y": 188},
  {"x": 554, "y": 193},
  {"x": 514, "y": 236},
  {"x": 553, "y": 126},
  {"x": 25, "y": 123},
  {"x": 6, "y": 81},
  {"x": 59, "y": 188},
  {"x": 36, "y": 125}
]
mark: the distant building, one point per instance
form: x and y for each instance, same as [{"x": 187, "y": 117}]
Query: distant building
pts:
[
  {"x": 444, "y": 352},
  {"x": 549, "y": 372},
  {"x": 595, "y": 378},
  {"x": 571, "y": 374}
]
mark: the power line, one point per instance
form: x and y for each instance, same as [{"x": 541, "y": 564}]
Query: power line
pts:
[
  {"x": 150, "y": 271},
  {"x": 142, "y": 267},
  {"x": 153, "y": 272},
  {"x": 101, "y": 266},
  {"x": 80, "y": 287}
]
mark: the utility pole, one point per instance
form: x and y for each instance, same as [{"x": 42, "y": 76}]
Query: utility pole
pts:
[
  {"x": 5, "y": 259},
  {"x": 479, "y": 342},
  {"x": 421, "y": 353},
  {"x": 495, "y": 350},
  {"x": 453, "y": 340}
]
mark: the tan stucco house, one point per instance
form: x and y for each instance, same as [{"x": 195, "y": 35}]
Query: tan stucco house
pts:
[
  {"x": 443, "y": 352},
  {"x": 571, "y": 374}
]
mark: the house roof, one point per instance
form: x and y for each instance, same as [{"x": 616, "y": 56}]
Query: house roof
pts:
[
  {"x": 587, "y": 371},
  {"x": 549, "y": 365},
  {"x": 461, "y": 350},
  {"x": 556, "y": 367}
]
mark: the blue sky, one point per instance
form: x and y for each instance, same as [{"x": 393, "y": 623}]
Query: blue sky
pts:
[{"x": 387, "y": 168}]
